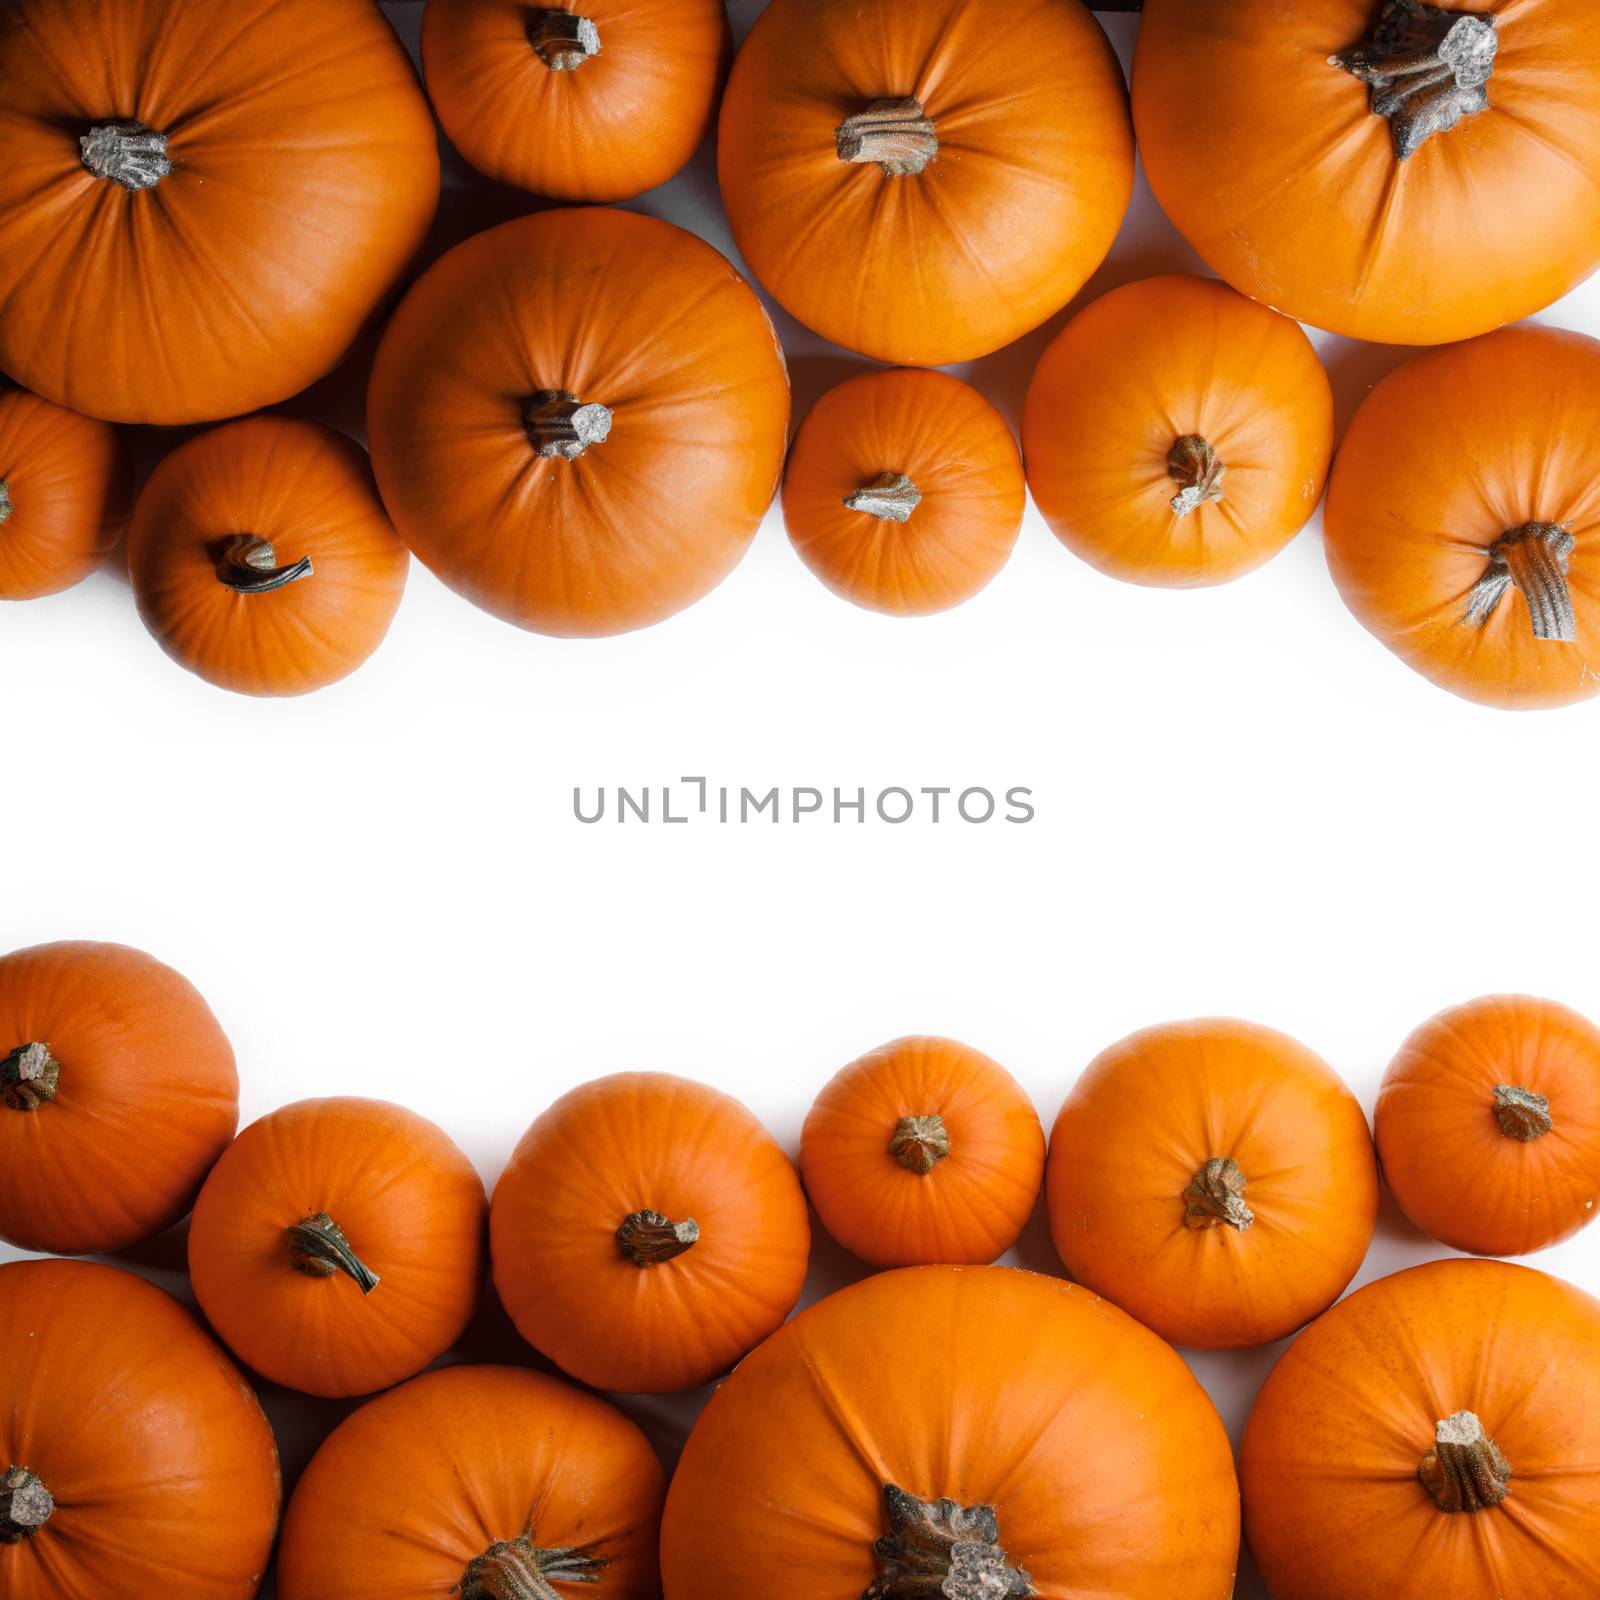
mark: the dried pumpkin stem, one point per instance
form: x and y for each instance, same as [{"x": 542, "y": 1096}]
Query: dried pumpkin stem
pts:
[
  {"x": 1465, "y": 1470},
  {"x": 890, "y": 497},
  {"x": 318, "y": 1247},
  {"x": 29, "y": 1076},
  {"x": 249, "y": 565},
  {"x": 1216, "y": 1197},
  {"x": 562, "y": 39},
  {"x": 942, "y": 1550},
  {"x": 647, "y": 1238},
  {"x": 518, "y": 1569},
  {"x": 1193, "y": 465},
  {"x": 126, "y": 152},
  {"x": 897, "y": 134},
  {"x": 1534, "y": 558},
  {"x": 560, "y": 424},
  {"x": 1522, "y": 1114},
  {"x": 919, "y": 1144},
  {"x": 6, "y": 508},
  {"x": 25, "y": 1505}
]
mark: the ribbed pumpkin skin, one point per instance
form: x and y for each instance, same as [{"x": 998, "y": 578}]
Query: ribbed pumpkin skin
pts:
[
  {"x": 309, "y": 491},
  {"x": 305, "y": 173},
  {"x": 621, "y": 122},
  {"x": 1454, "y": 1172},
  {"x": 998, "y": 232},
  {"x": 67, "y": 482},
  {"x": 640, "y": 1141},
  {"x": 1271, "y": 162},
  {"x": 148, "y": 1097},
  {"x": 1333, "y": 1506},
  {"x": 620, "y": 310},
  {"x": 1108, "y": 1468},
  {"x": 163, "y": 1468},
  {"x": 971, "y": 1205},
  {"x": 1145, "y": 366},
  {"x": 411, "y": 1206},
  {"x": 1146, "y": 1116},
  {"x": 419, "y": 1482}
]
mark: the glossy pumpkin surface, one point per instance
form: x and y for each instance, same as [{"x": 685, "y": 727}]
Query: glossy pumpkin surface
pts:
[
  {"x": 118, "y": 1092},
  {"x": 262, "y": 558},
  {"x": 858, "y": 1450},
  {"x": 1176, "y": 433},
  {"x": 337, "y": 1247},
  {"x": 202, "y": 202},
  {"x": 1215, "y": 1179},
  {"x": 917, "y": 183},
  {"x": 578, "y": 419}
]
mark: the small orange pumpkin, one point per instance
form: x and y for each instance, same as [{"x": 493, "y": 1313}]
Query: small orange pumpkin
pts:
[
  {"x": 904, "y": 491},
  {"x": 923, "y": 1151},
  {"x": 337, "y": 1247},
  {"x": 648, "y": 1232},
  {"x": 1176, "y": 433}
]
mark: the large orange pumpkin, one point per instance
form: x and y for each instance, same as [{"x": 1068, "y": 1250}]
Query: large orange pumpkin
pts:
[
  {"x": 1388, "y": 169},
  {"x": 1215, "y": 1179},
  {"x": 969, "y": 1433},
  {"x": 134, "y": 1459},
  {"x": 1488, "y": 1125},
  {"x": 117, "y": 1094},
  {"x": 578, "y": 419},
  {"x": 1463, "y": 517},
  {"x": 917, "y": 180},
  {"x": 201, "y": 202},
  {"x": 923, "y": 1151},
  {"x": 64, "y": 491},
  {"x": 588, "y": 100},
  {"x": 1438, "y": 1433},
  {"x": 337, "y": 1247},
  {"x": 1176, "y": 433},
  {"x": 647, "y": 1233},
  {"x": 262, "y": 558},
  {"x": 904, "y": 491}
]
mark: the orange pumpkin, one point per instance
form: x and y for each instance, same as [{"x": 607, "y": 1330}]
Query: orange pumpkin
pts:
[
  {"x": 1463, "y": 518},
  {"x": 1215, "y": 1179},
  {"x": 1438, "y": 1433},
  {"x": 117, "y": 1094},
  {"x": 923, "y": 1151},
  {"x": 1176, "y": 433},
  {"x": 262, "y": 558},
  {"x": 134, "y": 1459},
  {"x": 647, "y": 1233},
  {"x": 916, "y": 182},
  {"x": 578, "y": 419},
  {"x": 904, "y": 491},
  {"x": 337, "y": 1247},
  {"x": 964, "y": 1432},
  {"x": 1388, "y": 169},
  {"x": 201, "y": 202},
  {"x": 1488, "y": 1125},
  {"x": 64, "y": 491},
  {"x": 593, "y": 100}
]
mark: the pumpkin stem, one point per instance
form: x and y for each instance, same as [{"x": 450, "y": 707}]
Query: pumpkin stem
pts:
[
  {"x": 1534, "y": 557},
  {"x": 6, "y": 508},
  {"x": 647, "y": 1238},
  {"x": 249, "y": 565},
  {"x": 1427, "y": 68},
  {"x": 559, "y": 424},
  {"x": 1217, "y": 1196},
  {"x": 25, "y": 1505},
  {"x": 318, "y": 1248},
  {"x": 1193, "y": 465},
  {"x": 890, "y": 497},
  {"x": 1522, "y": 1114},
  {"x": 919, "y": 1144},
  {"x": 940, "y": 1548},
  {"x": 895, "y": 133},
  {"x": 562, "y": 40},
  {"x": 128, "y": 153},
  {"x": 1465, "y": 1470},
  {"x": 517, "y": 1569},
  {"x": 28, "y": 1077}
]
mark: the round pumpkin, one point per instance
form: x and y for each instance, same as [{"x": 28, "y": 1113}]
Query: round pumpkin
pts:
[
  {"x": 904, "y": 491},
  {"x": 1488, "y": 1125},
  {"x": 262, "y": 558},
  {"x": 1177, "y": 434},
  {"x": 337, "y": 1247},
  {"x": 647, "y": 1232},
  {"x": 202, "y": 203},
  {"x": 594, "y": 100},
  {"x": 959, "y": 1432},
  {"x": 1438, "y": 1433},
  {"x": 64, "y": 491},
  {"x": 1388, "y": 169},
  {"x": 1463, "y": 517},
  {"x": 923, "y": 1151},
  {"x": 918, "y": 182},
  {"x": 1215, "y": 1179},
  {"x": 578, "y": 419},
  {"x": 490, "y": 1483},
  {"x": 134, "y": 1459},
  {"x": 118, "y": 1092}
]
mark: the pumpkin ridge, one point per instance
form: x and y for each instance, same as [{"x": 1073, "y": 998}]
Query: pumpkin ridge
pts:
[
  {"x": 29, "y": 1077},
  {"x": 26, "y": 1505}
]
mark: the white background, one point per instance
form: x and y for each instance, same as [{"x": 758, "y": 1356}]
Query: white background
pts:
[{"x": 1245, "y": 806}]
